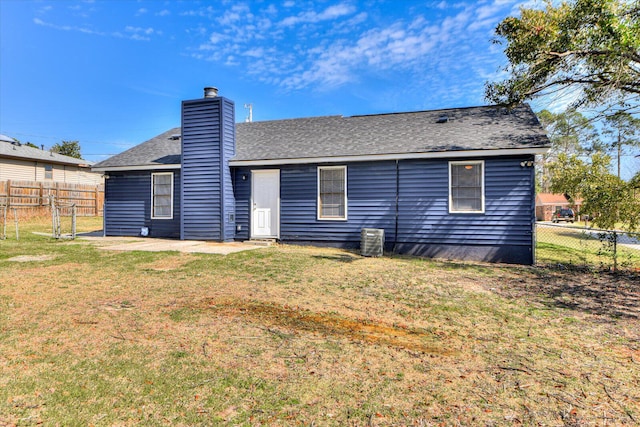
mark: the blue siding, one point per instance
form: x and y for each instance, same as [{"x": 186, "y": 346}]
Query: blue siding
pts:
[
  {"x": 370, "y": 203},
  {"x": 228, "y": 150},
  {"x": 502, "y": 233},
  {"x": 207, "y": 145},
  {"x": 425, "y": 226},
  {"x": 242, "y": 192},
  {"x": 370, "y": 197},
  {"x": 128, "y": 205}
]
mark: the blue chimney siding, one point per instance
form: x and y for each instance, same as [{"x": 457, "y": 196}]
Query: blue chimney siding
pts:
[
  {"x": 229, "y": 150},
  {"x": 127, "y": 205},
  {"x": 208, "y": 142}
]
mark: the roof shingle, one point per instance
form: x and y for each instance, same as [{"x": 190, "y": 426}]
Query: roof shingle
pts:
[
  {"x": 473, "y": 128},
  {"x": 19, "y": 151}
]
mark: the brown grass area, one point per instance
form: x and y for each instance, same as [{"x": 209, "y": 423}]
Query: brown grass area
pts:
[
  {"x": 332, "y": 325},
  {"x": 309, "y": 336}
]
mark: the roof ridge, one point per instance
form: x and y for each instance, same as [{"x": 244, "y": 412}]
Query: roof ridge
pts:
[{"x": 437, "y": 110}]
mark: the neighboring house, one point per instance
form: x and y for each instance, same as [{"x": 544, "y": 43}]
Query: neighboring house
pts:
[
  {"x": 547, "y": 204},
  {"x": 23, "y": 163},
  {"x": 455, "y": 183}
]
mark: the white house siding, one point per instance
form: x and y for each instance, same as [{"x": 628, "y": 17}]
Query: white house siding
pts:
[
  {"x": 59, "y": 173},
  {"x": 17, "y": 170},
  {"x": 23, "y": 170},
  {"x": 89, "y": 178}
]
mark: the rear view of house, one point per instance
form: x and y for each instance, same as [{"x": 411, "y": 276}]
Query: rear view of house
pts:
[{"x": 454, "y": 183}]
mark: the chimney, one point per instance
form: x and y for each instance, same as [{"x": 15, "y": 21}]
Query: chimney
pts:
[
  {"x": 210, "y": 92},
  {"x": 207, "y": 206}
]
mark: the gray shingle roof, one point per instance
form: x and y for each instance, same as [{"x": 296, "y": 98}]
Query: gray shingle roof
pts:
[
  {"x": 16, "y": 150},
  {"x": 473, "y": 128},
  {"x": 159, "y": 151}
]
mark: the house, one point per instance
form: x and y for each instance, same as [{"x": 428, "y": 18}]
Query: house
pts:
[
  {"x": 548, "y": 203},
  {"x": 23, "y": 163},
  {"x": 455, "y": 183}
]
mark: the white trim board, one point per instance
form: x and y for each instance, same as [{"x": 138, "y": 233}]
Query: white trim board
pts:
[
  {"x": 346, "y": 159},
  {"x": 403, "y": 156}
]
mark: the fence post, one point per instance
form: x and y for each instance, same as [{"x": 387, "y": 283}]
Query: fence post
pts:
[
  {"x": 53, "y": 216},
  {"x": 15, "y": 218},
  {"x": 615, "y": 250},
  {"x": 3, "y": 236},
  {"x": 8, "y": 193},
  {"x": 73, "y": 221}
]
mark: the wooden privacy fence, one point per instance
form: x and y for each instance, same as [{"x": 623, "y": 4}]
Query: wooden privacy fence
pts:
[{"x": 35, "y": 196}]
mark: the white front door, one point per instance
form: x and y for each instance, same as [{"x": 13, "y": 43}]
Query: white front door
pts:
[{"x": 265, "y": 200}]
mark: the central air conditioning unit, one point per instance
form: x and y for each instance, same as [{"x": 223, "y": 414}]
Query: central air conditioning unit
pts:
[{"x": 371, "y": 241}]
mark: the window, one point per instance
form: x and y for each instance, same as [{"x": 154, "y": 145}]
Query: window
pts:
[
  {"x": 332, "y": 192},
  {"x": 466, "y": 187},
  {"x": 48, "y": 171},
  {"x": 162, "y": 195}
]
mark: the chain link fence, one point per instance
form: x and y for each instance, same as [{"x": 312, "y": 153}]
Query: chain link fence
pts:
[{"x": 583, "y": 246}]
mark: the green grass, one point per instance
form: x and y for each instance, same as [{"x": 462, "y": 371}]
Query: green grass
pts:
[
  {"x": 573, "y": 245},
  {"x": 308, "y": 336}
]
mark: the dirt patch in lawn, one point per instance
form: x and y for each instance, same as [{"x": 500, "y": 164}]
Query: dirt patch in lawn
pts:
[
  {"x": 31, "y": 258},
  {"x": 328, "y": 324}
]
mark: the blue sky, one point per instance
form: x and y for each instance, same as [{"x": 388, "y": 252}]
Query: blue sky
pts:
[{"x": 111, "y": 74}]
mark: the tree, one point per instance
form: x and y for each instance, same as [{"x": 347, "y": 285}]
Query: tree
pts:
[
  {"x": 622, "y": 129},
  {"x": 68, "y": 148},
  {"x": 570, "y": 133},
  {"x": 32, "y": 145},
  {"x": 608, "y": 199},
  {"x": 590, "y": 48}
]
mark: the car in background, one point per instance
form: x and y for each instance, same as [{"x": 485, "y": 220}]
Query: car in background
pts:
[{"x": 563, "y": 215}]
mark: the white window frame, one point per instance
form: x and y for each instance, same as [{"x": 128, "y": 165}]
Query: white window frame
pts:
[
  {"x": 482, "y": 188},
  {"x": 344, "y": 197},
  {"x": 153, "y": 216}
]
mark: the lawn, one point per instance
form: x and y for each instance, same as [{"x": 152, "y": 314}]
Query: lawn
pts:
[
  {"x": 575, "y": 245},
  {"x": 308, "y": 336}
]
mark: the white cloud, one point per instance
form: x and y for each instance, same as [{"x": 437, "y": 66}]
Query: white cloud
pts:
[
  {"x": 138, "y": 33},
  {"x": 296, "y": 52},
  {"x": 131, "y": 33},
  {"x": 44, "y": 9},
  {"x": 332, "y": 12},
  {"x": 216, "y": 38},
  {"x": 207, "y": 12},
  {"x": 271, "y": 10},
  {"x": 164, "y": 12},
  {"x": 256, "y": 52}
]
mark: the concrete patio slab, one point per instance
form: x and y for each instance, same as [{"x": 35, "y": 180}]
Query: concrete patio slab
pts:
[{"x": 161, "y": 245}]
